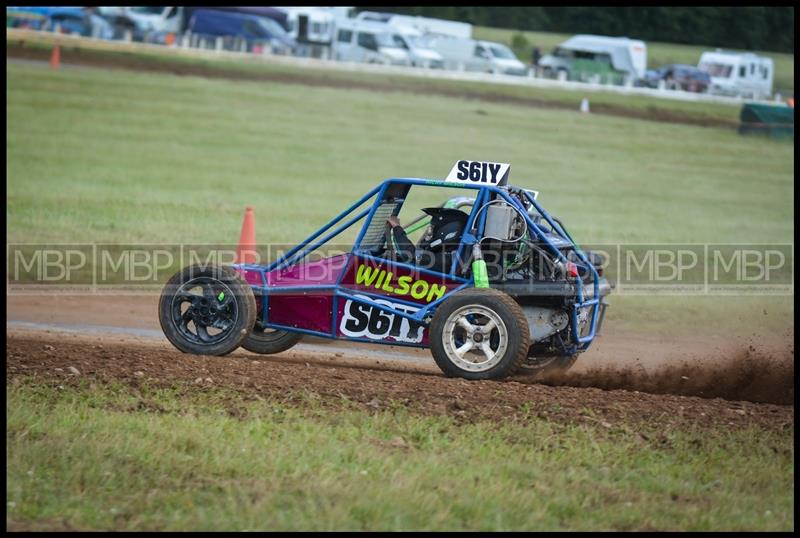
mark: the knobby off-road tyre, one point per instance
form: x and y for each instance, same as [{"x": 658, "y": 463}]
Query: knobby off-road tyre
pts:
[
  {"x": 479, "y": 333},
  {"x": 207, "y": 310}
]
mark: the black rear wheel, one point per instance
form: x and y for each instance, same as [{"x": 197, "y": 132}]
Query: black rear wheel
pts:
[
  {"x": 207, "y": 310},
  {"x": 269, "y": 341}
]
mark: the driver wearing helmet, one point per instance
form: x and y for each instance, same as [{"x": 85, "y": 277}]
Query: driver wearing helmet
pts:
[{"x": 436, "y": 248}]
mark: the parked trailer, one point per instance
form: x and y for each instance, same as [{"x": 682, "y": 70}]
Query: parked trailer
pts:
[
  {"x": 738, "y": 74},
  {"x": 593, "y": 58}
]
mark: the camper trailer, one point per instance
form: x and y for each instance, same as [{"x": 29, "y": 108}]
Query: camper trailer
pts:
[
  {"x": 481, "y": 56},
  {"x": 739, "y": 74},
  {"x": 601, "y": 59}
]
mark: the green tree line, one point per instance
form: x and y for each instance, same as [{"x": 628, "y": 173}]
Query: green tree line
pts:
[{"x": 751, "y": 28}]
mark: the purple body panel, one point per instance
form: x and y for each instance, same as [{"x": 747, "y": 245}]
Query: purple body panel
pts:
[
  {"x": 315, "y": 273},
  {"x": 310, "y": 312},
  {"x": 387, "y": 284}
]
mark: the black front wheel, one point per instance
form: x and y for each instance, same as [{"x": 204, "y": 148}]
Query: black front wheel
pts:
[{"x": 207, "y": 310}]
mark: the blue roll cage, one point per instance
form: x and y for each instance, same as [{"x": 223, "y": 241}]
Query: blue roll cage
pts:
[{"x": 581, "y": 343}]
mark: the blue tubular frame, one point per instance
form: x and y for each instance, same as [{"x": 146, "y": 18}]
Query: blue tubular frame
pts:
[
  {"x": 580, "y": 303},
  {"x": 282, "y": 260},
  {"x": 483, "y": 196}
]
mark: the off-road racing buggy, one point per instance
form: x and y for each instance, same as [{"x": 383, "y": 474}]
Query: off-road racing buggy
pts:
[{"x": 494, "y": 285}]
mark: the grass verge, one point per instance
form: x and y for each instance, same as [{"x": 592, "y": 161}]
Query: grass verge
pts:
[{"x": 106, "y": 457}]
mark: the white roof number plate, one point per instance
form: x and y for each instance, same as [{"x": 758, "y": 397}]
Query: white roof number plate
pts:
[{"x": 479, "y": 172}]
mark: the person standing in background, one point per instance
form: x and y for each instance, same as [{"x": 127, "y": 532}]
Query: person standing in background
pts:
[{"x": 535, "y": 57}]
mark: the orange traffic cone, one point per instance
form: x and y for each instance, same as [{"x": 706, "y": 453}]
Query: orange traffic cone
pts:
[
  {"x": 246, "y": 251},
  {"x": 55, "y": 57}
]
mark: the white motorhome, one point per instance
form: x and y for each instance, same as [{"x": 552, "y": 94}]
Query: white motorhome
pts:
[
  {"x": 313, "y": 28},
  {"x": 471, "y": 55},
  {"x": 407, "y": 40},
  {"x": 595, "y": 54},
  {"x": 741, "y": 74},
  {"x": 425, "y": 25}
]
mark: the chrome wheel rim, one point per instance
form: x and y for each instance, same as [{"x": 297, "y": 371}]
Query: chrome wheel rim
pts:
[{"x": 475, "y": 338}]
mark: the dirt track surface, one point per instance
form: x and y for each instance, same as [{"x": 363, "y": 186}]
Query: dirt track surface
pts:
[
  {"x": 379, "y": 83},
  {"x": 755, "y": 367},
  {"x": 55, "y": 357}
]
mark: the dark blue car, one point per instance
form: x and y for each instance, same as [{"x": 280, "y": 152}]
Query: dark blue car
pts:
[
  {"x": 252, "y": 28},
  {"x": 678, "y": 77}
]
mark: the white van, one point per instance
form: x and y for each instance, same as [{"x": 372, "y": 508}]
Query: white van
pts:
[
  {"x": 741, "y": 74},
  {"x": 368, "y": 43},
  {"x": 471, "y": 55},
  {"x": 390, "y": 40},
  {"x": 413, "y": 42}
]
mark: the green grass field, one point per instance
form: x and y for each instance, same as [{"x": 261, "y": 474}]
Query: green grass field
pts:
[
  {"x": 90, "y": 459},
  {"x": 125, "y": 157},
  {"x": 96, "y": 156},
  {"x": 658, "y": 54}
]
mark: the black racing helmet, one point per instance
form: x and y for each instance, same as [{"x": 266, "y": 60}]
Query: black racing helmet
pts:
[{"x": 447, "y": 228}]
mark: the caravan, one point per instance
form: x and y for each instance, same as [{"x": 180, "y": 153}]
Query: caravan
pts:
[
  {"x": 592, "y": 58},
  {"x": 740, "y": 74},
  {"x": 314, "y": 28}
]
